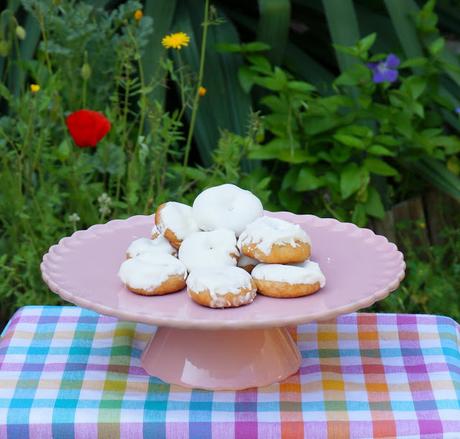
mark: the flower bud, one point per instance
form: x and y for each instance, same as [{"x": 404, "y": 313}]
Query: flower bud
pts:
[
  {"x": 21, "y": 33},
  {"x": 85, "y": 71}
]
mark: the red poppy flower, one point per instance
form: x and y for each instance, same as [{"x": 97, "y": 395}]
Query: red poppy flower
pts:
[{"x": 87, "y": 127}]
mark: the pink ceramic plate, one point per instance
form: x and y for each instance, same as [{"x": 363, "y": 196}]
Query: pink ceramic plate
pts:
[{"x": 360, "y": 268}]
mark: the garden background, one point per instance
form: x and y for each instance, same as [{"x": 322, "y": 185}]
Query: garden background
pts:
[{"x": 339, "y": 108}]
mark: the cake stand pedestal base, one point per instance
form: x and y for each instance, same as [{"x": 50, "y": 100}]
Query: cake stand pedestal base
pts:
[{"x": 221, "y": 359}]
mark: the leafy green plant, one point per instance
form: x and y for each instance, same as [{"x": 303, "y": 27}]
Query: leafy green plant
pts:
[
  {"x": 432, "y": 277},
  {"x": 349, "y": 153},
  {"x": 49, "y": 187}
]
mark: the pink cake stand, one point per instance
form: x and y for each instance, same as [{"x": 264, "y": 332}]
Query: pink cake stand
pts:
[{"x": 236, "y": 348}]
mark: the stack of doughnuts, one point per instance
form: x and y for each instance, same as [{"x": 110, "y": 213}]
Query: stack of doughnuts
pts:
[{"x": 224, "y": 250}]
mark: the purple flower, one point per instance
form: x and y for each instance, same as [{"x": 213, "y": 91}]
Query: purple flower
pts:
[
  {"x": 385, "y": 71},
  {"x": 457, "y": 110}
]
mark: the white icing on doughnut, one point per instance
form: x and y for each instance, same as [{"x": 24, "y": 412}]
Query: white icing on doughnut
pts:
[
  {"x": 226, "y": 207},
  {"x": 209, "y": 249},
  {"x": 267, "y": 231},
  {"x": 149, "y": 270},
  {"x": 178, "y": 218},
  {"x": 220, "y": 281},
  {"x": 307, "y": 272},
  {"x": 244, "y": 261},
  {"x": 145, "y": 245}
]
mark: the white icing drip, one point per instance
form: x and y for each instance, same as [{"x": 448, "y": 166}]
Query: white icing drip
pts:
[
  {"x": 267, "y": 231},
  {"x": 209, "y": 249},
  {"x": 145, "y": 245},
  {"x": 244, "y": 261},
  {"x": 178, "y": 218},
  {"x": 219, "y": 281},
  {"x": 236, "y": 300},
  {"x": 307, "y": 272},
  {"x": 226, "y": 207},
  {"x": 149, "y": 270}
]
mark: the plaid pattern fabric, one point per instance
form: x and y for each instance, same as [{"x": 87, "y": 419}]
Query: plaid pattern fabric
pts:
[{"x": 67, "y": 372}]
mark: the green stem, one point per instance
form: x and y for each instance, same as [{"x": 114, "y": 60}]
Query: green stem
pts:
[
  {"x": 85, "y": 83},
  {"x": 200, "y": 81},
  {"x": 41, "y": 22}
]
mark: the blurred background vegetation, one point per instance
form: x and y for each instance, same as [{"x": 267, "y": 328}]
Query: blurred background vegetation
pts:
[{"x": 291, "y": 112}]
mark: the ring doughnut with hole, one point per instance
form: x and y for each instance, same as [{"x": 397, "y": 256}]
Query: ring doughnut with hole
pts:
[
  {"x": 226, "y": 207},
  {"x": 275, "y": 241},
  {"x": 297, "y": 280},
  {"x": 153, "y": 274},
  {"x": 221, "y": 287}
]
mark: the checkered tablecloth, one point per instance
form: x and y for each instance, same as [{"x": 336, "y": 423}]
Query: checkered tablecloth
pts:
[{"x": 67, "y": 372}]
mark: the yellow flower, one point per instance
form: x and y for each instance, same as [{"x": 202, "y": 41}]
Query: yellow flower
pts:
[
  {"x": 34, "y": 88},
  {"x": 202, "y": 91},
  {"x": 176, "y": 41},
  {"x": 138, "y": 15}
]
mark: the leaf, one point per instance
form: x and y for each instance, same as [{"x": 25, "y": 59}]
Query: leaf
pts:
[
  {"x": 359, "y": 215},
  {"x": 343, "y": 27},
  {"x": 379, "y": 167},
  {"x": 290, "y": 178},
  {"x": 414, "y": 62},
  {"x": 300, "y": 86},
  {"x": 380, "y": 150},
  {"x": 246, "y": 78},
  {"x": 355, "y": 75},
  {"x": 401, "y": 13},
  {"x": 274, "y": 84},
  {"x": 307, "y": 180},
  {"x": 436, "y": 46},
  {"x": 255, "y": 46},
  {"x": 374, "y": 205},
  {"x": 367, "y": 42},
  {"x": 415, "y": 86},
  {"x": 279, "y": 149},
  {"x": 386, "y": 140},
  {"x": 450, "y": 143},
  {"x": 351, "y": 179},
  {"x": 348, "y": 140},
  {"x": 273, "y": 26},
  {"x": 260, "y": 64}
]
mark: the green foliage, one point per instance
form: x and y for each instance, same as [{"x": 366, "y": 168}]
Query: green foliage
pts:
[
  {"x": 48, "y": 186},
  {"x": 343, "y": 154},
  {"x": 432, "y": 277},
  {"x": 344, "y": 147}
]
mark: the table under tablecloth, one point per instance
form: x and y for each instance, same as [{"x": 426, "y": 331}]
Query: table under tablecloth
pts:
[{"x": 68, "y": 372}]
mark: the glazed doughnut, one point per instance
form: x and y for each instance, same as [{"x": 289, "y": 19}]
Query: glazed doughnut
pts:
[
  {"x": 145, "y": 245},
  {"x": 247, "y": 263},
  {"x": 175, "y": 221},
  {"x": 221, "y": 287},
  {"x": 275, "y": 241},
  {"x": 226, "y": 207},
  {"x": 153, "y": 274},
  {"x": 209, "y": 249},
  {"x": 277, "y": 280}
]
